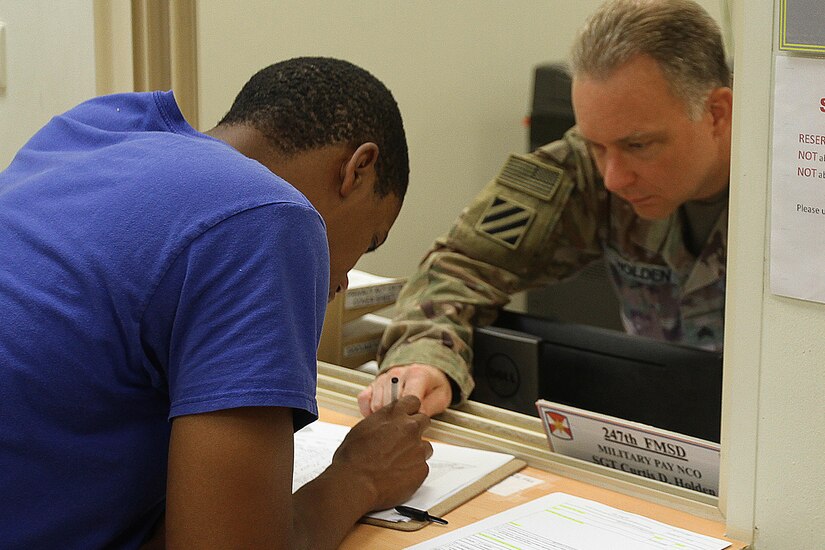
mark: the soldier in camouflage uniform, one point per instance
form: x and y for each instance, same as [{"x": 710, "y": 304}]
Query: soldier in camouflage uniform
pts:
[{"x": 641, "y": 181}]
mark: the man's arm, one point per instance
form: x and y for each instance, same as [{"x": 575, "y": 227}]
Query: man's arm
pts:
[
  {"x": 537, "y": 222},
  {"x": 429, "y": 341},
  {"x": 230, "y": 478}
]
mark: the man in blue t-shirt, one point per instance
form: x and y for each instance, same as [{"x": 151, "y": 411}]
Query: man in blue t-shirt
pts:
[{"x": 162, "y": 293}]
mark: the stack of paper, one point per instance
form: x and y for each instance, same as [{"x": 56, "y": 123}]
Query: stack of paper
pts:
[
  {"x": 452, "y": 468},
  {"x": 351, "y": 333},
  {"x": 367, "y": 289},
  {"x": 564, "y": 522}
]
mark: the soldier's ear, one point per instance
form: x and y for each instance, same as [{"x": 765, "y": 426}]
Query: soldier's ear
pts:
[
  {"x": 359, "y": 168},
  {"x": 720, "y": 106}
]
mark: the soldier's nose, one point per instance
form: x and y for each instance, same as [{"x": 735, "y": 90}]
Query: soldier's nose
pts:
[{"x": 616, "y": 174}]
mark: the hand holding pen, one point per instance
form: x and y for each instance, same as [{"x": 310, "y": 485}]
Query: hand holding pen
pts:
[
  {"x": 430, "y": 385},
  {"x": 386, "y": 452}
]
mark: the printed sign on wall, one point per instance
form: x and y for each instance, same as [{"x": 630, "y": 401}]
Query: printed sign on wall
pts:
[{"x": 798, "y": 179}]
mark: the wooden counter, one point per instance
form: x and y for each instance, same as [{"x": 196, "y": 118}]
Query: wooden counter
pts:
[{"x": 486, "y": 504}]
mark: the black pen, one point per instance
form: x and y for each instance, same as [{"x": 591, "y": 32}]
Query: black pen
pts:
[
  {"x": 394, "y": 389},
  {"x": 419, "y": 515}
]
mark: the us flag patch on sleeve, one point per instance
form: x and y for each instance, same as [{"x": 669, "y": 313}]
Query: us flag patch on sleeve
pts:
[
  {"x": 529, "y": 177},
  {"x": 505, "y": 221}
]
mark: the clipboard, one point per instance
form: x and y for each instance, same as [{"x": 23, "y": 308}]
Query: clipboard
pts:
[{"x": 455, "y": 500}]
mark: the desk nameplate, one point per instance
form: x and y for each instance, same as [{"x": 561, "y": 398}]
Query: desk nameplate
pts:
[{"x": 631, "y": 447}]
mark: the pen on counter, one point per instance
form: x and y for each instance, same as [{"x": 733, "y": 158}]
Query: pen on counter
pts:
[
  {"x": 419, "y": 515},
  {"x": 394, "y": 389}
]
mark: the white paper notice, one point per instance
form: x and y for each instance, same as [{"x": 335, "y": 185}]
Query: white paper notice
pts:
[
  {"x": 798, "y": 179},
  {"x": 564, "y": 522}
]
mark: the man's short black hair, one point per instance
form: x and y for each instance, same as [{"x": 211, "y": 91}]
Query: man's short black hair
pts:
[{"x": 309, "y": 102}]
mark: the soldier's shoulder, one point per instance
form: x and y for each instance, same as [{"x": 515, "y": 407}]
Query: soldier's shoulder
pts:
[{"x": 565, "y": 150}]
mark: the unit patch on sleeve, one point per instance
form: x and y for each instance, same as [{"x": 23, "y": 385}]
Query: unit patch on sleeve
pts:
[
  {"x": 505, "y": 221},
  {"x": 530, "y": 177}
]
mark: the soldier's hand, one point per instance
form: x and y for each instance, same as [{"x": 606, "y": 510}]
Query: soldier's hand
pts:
[{"x": 427, "y": 383}]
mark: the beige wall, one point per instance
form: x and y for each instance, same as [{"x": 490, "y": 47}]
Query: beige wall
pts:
[
  {"x": 775, "y": 380},
  {"x": 461, "y": 72},
  {"x": 49, "y": 65}
]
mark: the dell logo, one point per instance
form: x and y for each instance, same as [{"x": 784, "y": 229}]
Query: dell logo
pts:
[{"x": 502, "y": 375}]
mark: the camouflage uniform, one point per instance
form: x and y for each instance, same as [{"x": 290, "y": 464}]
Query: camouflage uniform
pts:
[{"x": 545, "y": 217}]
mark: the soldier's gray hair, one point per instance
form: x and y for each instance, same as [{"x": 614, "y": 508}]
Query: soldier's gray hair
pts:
[{"x": 679, "y": 34}]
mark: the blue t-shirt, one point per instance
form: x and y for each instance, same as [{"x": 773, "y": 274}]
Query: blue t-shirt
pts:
[{"x": 147, "y": 271}]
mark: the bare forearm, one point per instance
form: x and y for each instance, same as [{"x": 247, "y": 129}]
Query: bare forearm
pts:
[
  {"x": 326, "y": 508},
  {"x": 230, "y": 478}
]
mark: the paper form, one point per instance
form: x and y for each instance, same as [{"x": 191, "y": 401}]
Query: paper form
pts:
[
  {"x": 452, "y": 468},
  {"x": 560, "y": 521},
  {"x": 314, "y": 446}
]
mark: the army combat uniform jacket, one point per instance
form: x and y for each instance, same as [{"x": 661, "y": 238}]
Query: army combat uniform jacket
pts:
[{"x": 545, "y": 217}]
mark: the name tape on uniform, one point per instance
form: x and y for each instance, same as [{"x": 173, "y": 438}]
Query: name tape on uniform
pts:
[{"x": 631, "y": 447}]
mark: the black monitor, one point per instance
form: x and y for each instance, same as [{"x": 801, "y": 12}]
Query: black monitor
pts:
[
  {"x": 522, "y": 358},
  {"x": 588, "y": 297},
  {"x": 551, "y": 112}
]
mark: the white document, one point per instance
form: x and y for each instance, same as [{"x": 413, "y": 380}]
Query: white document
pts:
[
  {"x": 563, "y": 522},
  {"x": 798, "y": 179},
  {"x": 452, "y": 468}
]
